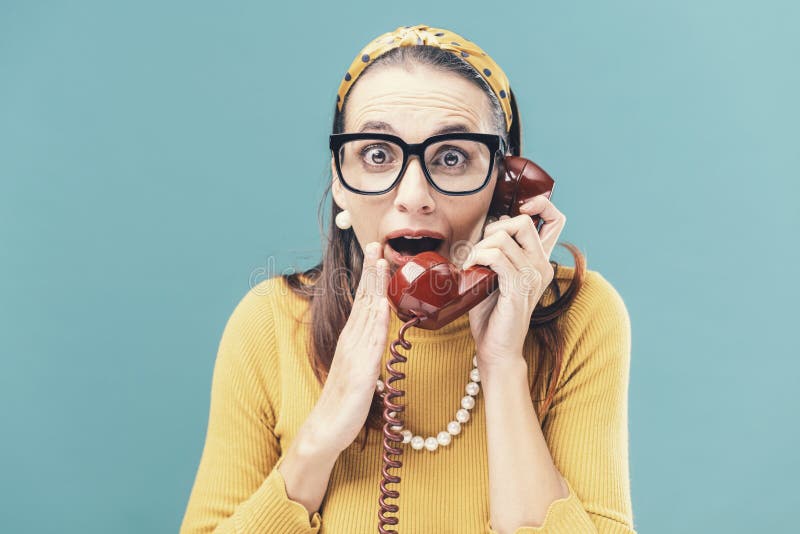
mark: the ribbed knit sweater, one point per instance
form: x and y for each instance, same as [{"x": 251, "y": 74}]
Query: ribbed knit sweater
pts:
[{"x": 263, "y": 389}]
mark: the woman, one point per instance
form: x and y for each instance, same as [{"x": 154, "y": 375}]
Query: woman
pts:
[{"x": 538, "y": 444}]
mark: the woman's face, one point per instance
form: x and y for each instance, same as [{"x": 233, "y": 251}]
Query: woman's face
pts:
[{"x": 414, "y": 106}]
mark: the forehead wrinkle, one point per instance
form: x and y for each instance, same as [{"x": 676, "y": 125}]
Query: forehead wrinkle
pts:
[
  {"x": 378, "y": 107},
  {"x": 436, "y": 99}
]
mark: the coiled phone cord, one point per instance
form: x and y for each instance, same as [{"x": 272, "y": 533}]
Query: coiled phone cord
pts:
[{"x": 389, "y": 434}]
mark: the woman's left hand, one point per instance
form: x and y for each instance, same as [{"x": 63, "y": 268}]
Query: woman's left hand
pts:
[{"x": 521, "y": 258}]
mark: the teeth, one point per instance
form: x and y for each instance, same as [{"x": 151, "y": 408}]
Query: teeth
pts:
[{"x": 411, "y": 237}]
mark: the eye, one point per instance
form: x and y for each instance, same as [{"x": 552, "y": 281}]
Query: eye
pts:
[
  {"x": 451, "y": 157},
  {"x": 377, "y": 154}
]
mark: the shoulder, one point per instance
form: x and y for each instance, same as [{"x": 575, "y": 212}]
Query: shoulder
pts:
[
  {"x": 596, "y": 326},
  {"x": 269, "y": 304},
  {"x": 260, "y": 323},
  {"x": 597, "y": 298},
  {"x": 250, "y": 329}
]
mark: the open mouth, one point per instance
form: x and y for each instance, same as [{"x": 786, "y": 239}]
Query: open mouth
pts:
[{"x": 411, "y": 246}]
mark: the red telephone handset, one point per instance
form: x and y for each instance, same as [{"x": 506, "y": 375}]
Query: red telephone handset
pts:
[
  {"x": 430, "y": 287},
  {"x": 429, "y": 292}
]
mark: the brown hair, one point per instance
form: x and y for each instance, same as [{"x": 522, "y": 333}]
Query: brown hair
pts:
[{"x": 330, "y": 286}]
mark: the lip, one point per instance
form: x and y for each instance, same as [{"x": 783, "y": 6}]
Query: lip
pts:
[{"x": 401, "y": 259}]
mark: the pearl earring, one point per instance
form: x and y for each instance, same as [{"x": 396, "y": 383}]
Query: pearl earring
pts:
[{"x": 343, "y": 220}]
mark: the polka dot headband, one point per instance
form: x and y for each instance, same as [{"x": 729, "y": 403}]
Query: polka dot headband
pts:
[{"x": 444, "y": 39}]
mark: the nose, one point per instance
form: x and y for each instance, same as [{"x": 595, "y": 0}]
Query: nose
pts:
[{"x": 414, "y": 191}]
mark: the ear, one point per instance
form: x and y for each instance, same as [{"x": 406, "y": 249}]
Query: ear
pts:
[{"x": 337, "y": 190}]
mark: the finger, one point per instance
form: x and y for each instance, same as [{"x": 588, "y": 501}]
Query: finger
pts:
[
  {"x": 375, "y": 329},
  {"x": 366, "y": 284},
  {"x": 496, "y": 260},
  {"x": 383, "y": 277},
  {"x": 526, "y": 281},
  {"x": 554, "y": 220},
  {"x": 375, "y": 301},
  {"x": 359, "y": 314},
  {"x": 506, "y": 243},
  {"x": 522, "y": 229}
]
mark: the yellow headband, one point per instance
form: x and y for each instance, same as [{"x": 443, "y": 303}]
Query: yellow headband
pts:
[{"x": 444, "y": 39}]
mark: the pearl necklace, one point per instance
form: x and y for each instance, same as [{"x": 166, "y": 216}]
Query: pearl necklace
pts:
[{"x": 453, "y": 427}]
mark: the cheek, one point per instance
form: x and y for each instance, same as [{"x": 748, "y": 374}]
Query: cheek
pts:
[
  {"x": 467, "y": 219},
  {"x": 365, "y": 214}
]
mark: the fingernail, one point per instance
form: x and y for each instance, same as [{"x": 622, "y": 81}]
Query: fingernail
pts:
[
  {"x": 372, "y": 250},
  {"x": 467, "y": 261}
]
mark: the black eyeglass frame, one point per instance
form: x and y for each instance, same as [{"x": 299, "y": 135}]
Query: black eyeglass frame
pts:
[{"x": 494, "y": 142}]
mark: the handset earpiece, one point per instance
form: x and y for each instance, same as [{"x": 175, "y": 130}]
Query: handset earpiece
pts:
[{"x": 519, "y": 180}]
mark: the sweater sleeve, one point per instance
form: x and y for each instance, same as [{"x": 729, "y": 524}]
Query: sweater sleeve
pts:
[
  {"x": 587, "y": 426},
  {"x": 238, "y": 488}
]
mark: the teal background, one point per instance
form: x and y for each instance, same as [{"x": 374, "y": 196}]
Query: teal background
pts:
[{"x": 157, "y": 158}]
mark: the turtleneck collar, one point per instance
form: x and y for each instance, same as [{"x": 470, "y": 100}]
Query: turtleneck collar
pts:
[{"x": 457, "y": 328}]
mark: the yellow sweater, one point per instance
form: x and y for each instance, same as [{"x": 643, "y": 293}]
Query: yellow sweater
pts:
[{"x": 263, "y": 389}]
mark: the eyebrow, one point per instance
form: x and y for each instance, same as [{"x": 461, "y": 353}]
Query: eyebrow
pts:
[{"x": 386, "y": 127}]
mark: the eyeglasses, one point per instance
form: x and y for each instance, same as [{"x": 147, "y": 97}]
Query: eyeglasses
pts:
[{"x": 454, "y": 164}]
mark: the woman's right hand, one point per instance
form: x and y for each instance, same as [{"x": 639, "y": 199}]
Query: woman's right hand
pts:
[{"x": 344, "y": 403}]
